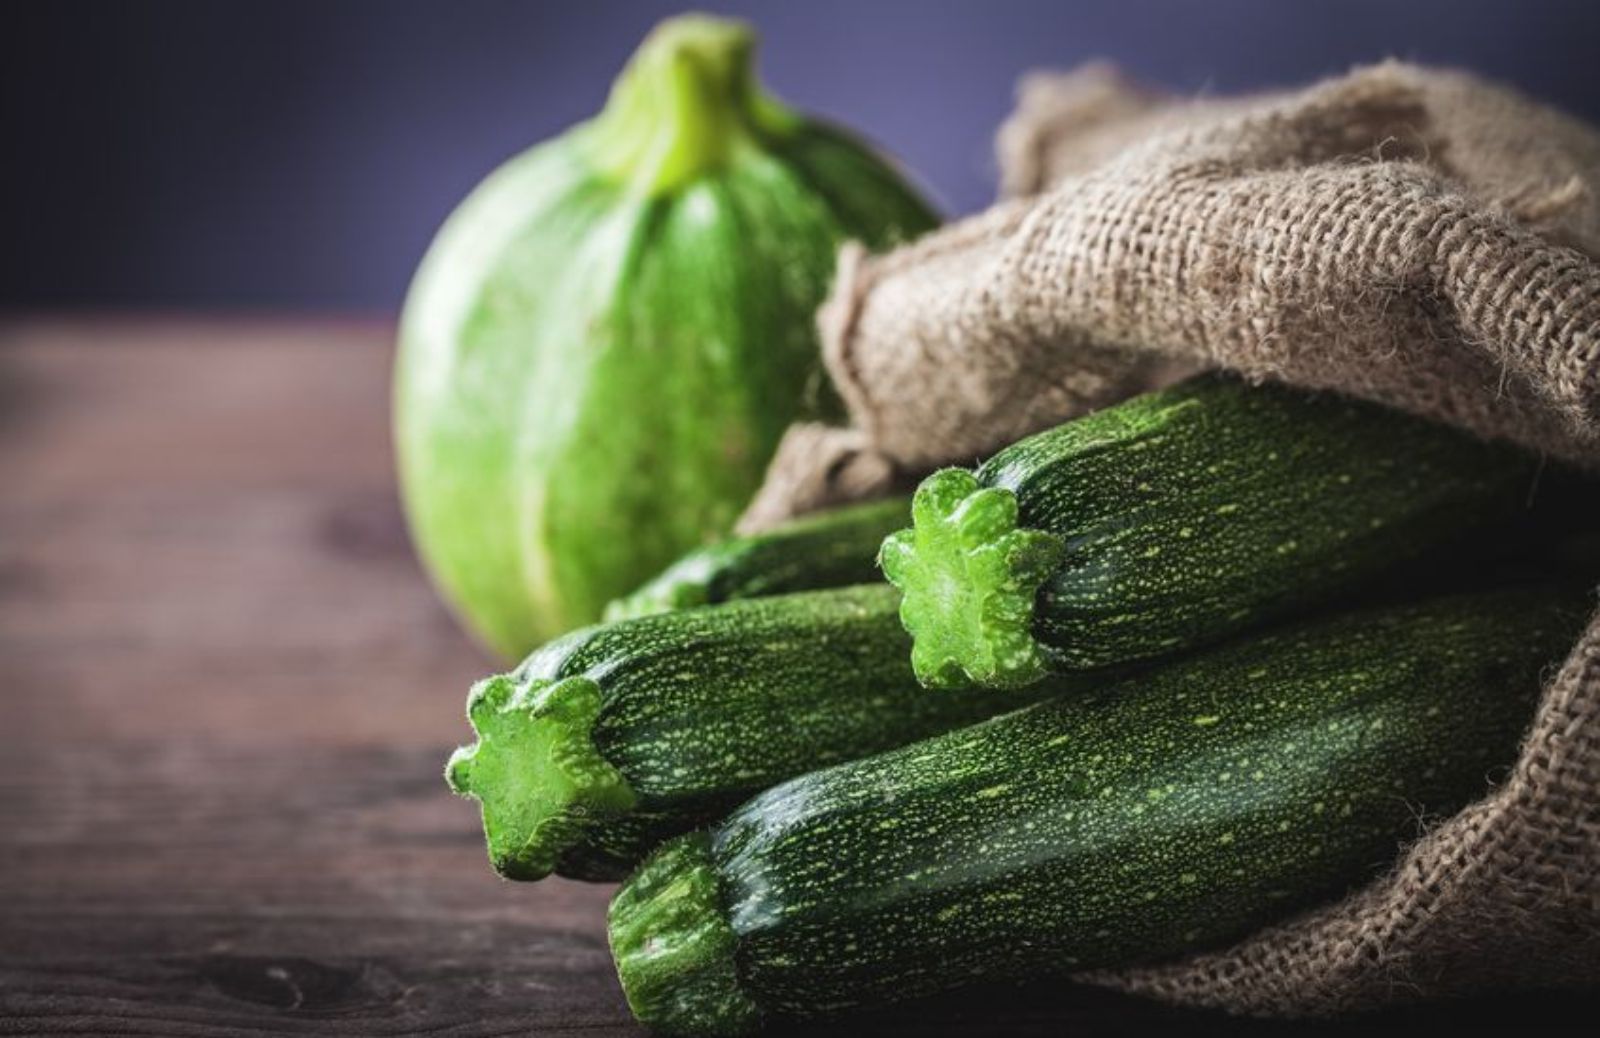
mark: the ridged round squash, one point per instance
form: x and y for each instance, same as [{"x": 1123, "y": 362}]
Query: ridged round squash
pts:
[{"x": 603, "y": 345}]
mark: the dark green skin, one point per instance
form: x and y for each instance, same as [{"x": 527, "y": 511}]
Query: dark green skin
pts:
[
  {"x": 836, "y": 548},
  {"x": 702, "y": 708},
  {"x": 1215, "y": 506},
  {"x": 1163, "y": 814}
]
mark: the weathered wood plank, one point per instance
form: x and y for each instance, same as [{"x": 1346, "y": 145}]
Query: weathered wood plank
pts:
[
  {"x": 228, "y": 693},
  {"x": 225, "y": 695}
]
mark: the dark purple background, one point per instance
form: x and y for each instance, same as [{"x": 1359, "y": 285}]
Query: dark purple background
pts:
[{"x": 300, "y": 154}]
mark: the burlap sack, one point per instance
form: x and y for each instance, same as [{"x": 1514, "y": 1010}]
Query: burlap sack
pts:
[{"x": 1413, "y": 236}]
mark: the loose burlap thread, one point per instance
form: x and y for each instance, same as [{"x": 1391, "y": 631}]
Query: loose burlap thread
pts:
[{"x": 1414, "y": 236}]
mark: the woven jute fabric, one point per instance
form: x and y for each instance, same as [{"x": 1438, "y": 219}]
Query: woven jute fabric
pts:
[{"x": 1413, "y": 236}]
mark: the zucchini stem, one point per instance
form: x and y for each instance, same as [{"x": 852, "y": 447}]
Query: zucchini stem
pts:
[
  {"x": 686, "y": 101},
  {"x": 969, "y": 578},
  {"x": 536, "y": 771},
  {"x": 674, "y": 946}
]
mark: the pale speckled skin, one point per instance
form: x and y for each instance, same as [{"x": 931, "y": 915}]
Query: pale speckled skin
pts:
[
  {"x": 593, "y": 376},
  {"x": 1164, "y": 813},
  {"x": 1185, "y": 516},
  {"x": 696, "y": 711}
]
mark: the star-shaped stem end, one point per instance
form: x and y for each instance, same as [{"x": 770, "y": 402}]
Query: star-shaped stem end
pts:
[
  {"x": 674, "y": 947},
  {"x": 535, "y": 770},
  {"x": 968, "y": 578}
]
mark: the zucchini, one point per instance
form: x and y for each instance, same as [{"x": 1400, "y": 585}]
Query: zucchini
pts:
[
  {"x": 608, "y": 337},
  {"x": 830, "y": 549},
  {"x": 614, "y": 737},
  {"x": 1175, "y": 519},
  {"x": 1162, "y": 814}
]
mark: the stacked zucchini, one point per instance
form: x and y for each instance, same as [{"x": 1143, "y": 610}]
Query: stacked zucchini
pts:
[
  {"x": 616, "y": 736},
  {"x": 1138, "y": 685}
]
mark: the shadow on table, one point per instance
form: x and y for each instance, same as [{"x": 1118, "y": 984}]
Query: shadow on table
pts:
[{"x": 1050, "y": 1011}]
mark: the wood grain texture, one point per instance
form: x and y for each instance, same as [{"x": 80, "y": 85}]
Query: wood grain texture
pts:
[{"x": 226, "y": 693}]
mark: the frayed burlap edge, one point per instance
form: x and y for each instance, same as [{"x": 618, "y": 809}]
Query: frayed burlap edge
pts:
[{"x": 816, "y": 465}]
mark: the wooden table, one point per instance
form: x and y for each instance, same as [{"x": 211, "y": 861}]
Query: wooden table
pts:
[{"x": 226, "y": 693}]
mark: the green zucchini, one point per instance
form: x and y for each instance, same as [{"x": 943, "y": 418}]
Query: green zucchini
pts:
[
  {"x": 614, "y": 737},
  {"x": 1159, "y": 815},
  {"x": 836, "y": 548},
  {"x": 1175, "y": 519},
  {"x": 607, "y": 339}
]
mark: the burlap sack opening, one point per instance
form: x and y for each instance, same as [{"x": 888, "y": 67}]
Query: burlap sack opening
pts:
[{"x": 1413, "y": 236}]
